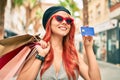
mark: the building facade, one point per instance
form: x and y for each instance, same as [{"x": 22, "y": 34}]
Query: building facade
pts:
[
  {"x": 106, "y": 23},
  {"x": 113, "y": 38}
]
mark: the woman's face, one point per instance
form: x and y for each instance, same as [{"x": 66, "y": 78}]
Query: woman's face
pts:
[{"x": 60, "y": 28}]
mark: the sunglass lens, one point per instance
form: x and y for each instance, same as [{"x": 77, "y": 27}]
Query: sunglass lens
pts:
[
  {"x": 59, "y": 18},
  {"x": 69, "y": 21}
]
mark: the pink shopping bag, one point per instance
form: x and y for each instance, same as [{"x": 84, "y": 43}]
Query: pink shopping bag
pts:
[
  {"x": 8, "y": 56},
  {"x": 10, "y": 69}
]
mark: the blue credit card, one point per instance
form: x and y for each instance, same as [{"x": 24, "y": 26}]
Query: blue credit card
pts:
[{"x": 87, "y": 31}]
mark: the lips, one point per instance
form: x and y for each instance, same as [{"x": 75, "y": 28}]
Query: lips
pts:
[{"x": 62, "y": 28}]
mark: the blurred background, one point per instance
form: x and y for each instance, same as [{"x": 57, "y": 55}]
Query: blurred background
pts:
[{"x": 19, "y": 17}]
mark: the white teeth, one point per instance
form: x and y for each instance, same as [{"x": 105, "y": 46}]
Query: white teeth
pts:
[{"x": 63, "y": 28}]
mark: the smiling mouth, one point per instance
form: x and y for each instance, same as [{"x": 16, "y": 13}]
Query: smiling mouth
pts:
[{"x": 62, "y": 28}]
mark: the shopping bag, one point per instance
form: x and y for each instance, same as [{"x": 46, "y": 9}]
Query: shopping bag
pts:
[
  {"x": 8, "y": 56},
  {"x": 13, "y": 45},
  {"x": 12, "y": 67},
  {"x": 9, "y": 44}
]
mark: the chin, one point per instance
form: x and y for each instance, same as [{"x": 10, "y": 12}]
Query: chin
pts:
[{"x": 64, "y": 34}]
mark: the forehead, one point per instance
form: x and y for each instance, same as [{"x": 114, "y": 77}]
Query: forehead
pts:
[{"x": 62, "y": 13}]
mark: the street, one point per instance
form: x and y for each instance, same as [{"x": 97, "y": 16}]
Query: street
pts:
[{"x": 109, "y": 71}]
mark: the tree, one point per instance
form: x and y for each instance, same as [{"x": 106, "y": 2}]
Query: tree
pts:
[
  {"x": 2, "y": 11},
  {"x": 71, "y": 5},
  {"x": 85, "y": 12},
  {"x": 32, "y": 15}
]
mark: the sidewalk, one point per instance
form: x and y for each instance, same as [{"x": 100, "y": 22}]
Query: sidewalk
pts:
[{"x": 109, "y": 71}]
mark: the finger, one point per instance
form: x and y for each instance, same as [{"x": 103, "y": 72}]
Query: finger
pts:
[
  {"x": 86, "y": 25},
  {"x": 48, "y": 46},
  {"x": 84, "y": 37},
  {"x": 38, "y": 47},
  {"x": 43, "y": 44}
]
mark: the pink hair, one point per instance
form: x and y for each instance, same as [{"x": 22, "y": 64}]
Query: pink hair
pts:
[{"x": 70, "y": 58}]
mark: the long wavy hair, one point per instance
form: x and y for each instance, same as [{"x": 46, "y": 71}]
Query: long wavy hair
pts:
[{"x": 69, "y": 56}]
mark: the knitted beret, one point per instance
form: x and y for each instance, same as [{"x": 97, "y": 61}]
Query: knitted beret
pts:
[{"x": 50, "y": 11}]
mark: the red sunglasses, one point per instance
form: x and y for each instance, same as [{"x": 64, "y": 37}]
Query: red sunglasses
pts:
[{"x": 60, "y": 19}]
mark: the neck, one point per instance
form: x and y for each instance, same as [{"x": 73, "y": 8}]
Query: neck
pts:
[
  {"x": 57, "y": 45},
  {"x": 56, "y": 41}
]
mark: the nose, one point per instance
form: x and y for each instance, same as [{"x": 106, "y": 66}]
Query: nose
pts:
[{"x": 64, "y": 21}]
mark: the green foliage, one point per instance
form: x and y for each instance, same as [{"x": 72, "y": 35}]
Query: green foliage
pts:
[
  {"x": 21, "y": 2},
  {"x": 18, "y": 2},
  {"x": 32, "y": 3},
  {"x": 70, "y": 5},
  {"x": 39, "y": 13}
]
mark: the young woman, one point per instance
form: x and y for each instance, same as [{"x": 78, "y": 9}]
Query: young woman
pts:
[{"x": 57, "y": 58}]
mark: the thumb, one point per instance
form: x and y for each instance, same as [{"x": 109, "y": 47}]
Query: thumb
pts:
[{"x": 48, "y": 46}]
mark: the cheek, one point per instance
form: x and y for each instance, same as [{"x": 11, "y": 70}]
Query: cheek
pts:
[
  {"x": 53, "y": 26},
  {"x": 69, "y": 27},
  {"x": 54, "y": 22}
]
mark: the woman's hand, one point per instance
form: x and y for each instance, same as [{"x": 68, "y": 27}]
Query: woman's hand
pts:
[
  {"x": 88, "y": 41},
  {"x": 91, "y": 70},
  {"x": 43, "y": 48}
]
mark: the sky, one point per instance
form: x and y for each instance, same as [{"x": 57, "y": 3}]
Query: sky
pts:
[{"x": 79, "y": 2}]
